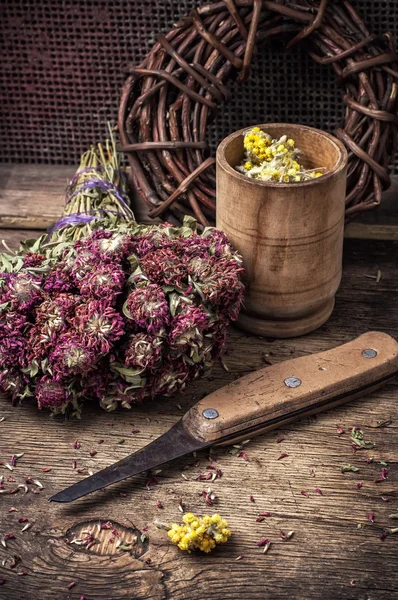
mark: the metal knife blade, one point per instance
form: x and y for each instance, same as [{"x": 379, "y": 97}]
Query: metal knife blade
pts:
[{"x": 174, "y": 443}]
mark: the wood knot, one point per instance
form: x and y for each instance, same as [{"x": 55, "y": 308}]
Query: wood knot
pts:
[{"x": 106, "y": 538}]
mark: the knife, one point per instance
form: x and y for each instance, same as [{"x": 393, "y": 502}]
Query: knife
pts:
[{"x": 259, "y": 402}]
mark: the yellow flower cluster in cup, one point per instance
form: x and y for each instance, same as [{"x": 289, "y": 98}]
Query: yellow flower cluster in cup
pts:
[
  {"x": 199, "y": 533},
  {"x": 269, "y": 159}
]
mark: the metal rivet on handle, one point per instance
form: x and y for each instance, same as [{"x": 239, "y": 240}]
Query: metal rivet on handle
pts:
[
  {"x": 369, "y": 353},
  {"x": 292, "y": 382},
  {"x": 210, "y": 413}
]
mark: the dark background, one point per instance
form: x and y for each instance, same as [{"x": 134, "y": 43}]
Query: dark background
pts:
[{"x": 61, "y": 71}]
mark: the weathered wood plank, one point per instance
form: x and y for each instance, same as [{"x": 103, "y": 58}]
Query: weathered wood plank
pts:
[
  {"x": 32, "y": 197},
  {"x": 327, "y": 550},
  {"x": 13, "y": 237}
]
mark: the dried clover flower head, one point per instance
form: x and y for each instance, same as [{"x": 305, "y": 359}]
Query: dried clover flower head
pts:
[
  {"x": 143, "y": 351},
  {"x": 51, "y": 394},
  {"x": 99, "y": 324},
  {"x": 151, "y": 241},
  {"x": 24, "y": 290},
  {"x": 58, "y": 280},
  {"x": 199, "y": 267},
  {"x": 52, "y": 314},
  {"x": 219, "y": 244},
  {"x": 186, "y": 331},
  {"x": 71, "y": 356},
  {"x": 96, "y": 383},
  {"x": 193, "y": 246},
  {"x": 148, "y": 309},
  {"x": 198, "y": 533},
  {"x": 33, "y": 259},
  {"x": 22, "y": 285},
  {"x": 104, "y": 281},
  {"x": 12, "y": 382},
  {"x": 121, "y": 394},
  {"x": 218, "y": 282},
  {"x": 14, "y": 329},
  {"x": 81, "y": 263},
  {"x": 165, "y": 267},
  {"x": 112, "y": 244},
  {"x": 102, "y": 244},
  {"x": 52, "y": 318},
  {"x": 172, "y": 376}
]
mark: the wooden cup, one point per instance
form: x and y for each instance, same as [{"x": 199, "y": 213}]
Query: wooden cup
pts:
[{"x": 290, "y": 235}]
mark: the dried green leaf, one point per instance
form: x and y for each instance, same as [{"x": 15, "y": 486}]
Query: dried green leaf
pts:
[
  {"x": 18, "y": 265},
  {"x": 134, "y": 263},
  {"x": 234, "y": 451},
  {"x": 347, "y": 468},
  {"x": 126, "y": 311},
  {"x": 32, "y": 370},
  {"x": 32, "y": 244},
  {"x": 6, "y": 263},
  {"x": 130, "y": 375},
  {"x": 362, "y": 444},
  {"x": 357, "y": 439}
]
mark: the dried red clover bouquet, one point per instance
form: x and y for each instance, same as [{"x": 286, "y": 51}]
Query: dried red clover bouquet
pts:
[{"x": 108, "y": 309}]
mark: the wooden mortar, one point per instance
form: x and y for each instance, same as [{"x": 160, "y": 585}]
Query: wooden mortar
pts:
[{"x": 290, "y": 235}]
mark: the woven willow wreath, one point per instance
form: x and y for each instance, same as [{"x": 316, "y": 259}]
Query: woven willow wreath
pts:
[{"x": 169, "y": 99}]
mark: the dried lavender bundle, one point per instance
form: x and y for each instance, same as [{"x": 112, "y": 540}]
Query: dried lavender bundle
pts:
[{"x": 105, "y": 308}]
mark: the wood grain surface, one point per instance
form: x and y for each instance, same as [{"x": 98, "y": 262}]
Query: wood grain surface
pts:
[
  {"x": 327, "y": 558},
  {"x": 32, "y": 197}
]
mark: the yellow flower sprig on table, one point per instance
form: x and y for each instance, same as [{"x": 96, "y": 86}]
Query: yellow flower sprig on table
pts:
[
  {"x": 268, "y": 159},
  {"x": 198, "y": 533}
]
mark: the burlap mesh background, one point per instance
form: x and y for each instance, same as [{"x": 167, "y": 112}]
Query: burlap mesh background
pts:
[{"x": 61, "y": 71}]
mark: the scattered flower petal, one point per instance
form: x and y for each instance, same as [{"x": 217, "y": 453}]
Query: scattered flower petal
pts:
[{"x": 283, "y": 455}]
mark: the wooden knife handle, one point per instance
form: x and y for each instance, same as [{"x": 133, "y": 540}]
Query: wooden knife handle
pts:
[{"x": 281, "y": 393}]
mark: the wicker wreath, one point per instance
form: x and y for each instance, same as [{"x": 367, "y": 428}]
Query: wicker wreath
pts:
[{"x": 168, "y": 100}]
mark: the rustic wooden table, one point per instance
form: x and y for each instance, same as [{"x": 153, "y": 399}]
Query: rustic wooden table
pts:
[{"x": 335, "y": 551}]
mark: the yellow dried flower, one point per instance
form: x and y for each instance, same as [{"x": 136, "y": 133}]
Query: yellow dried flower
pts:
[
  {"x": 198, "y": 533},
  {"x": 272, "y": 160}
]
